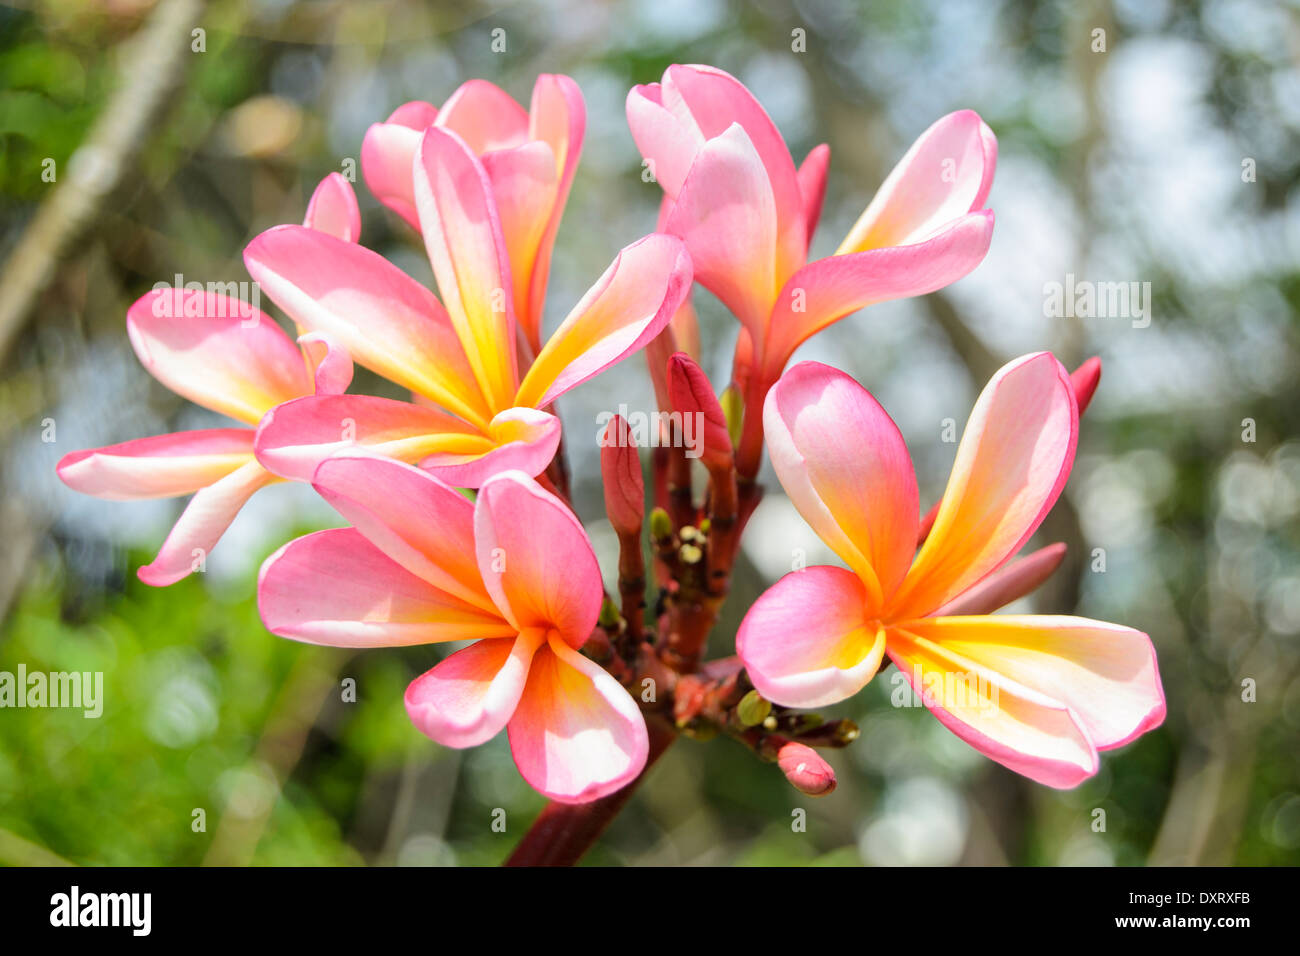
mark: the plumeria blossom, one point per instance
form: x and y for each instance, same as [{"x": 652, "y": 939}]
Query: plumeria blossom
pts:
[
  {"x": 481, "y": 404},
  {"x": 231, "y": 358},
  {"x": 512, "y": 571},
  {"x": 529, "y": 156},
  {"x": 747, "y": 214},
  {"x": 1039, "y": 694}
]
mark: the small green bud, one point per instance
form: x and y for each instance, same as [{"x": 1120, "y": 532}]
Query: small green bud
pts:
[
  {"x": 661, "y": 526},
  {"x": 753, "y": 708},
  {"x": 608, "y": 615},
  {"x": 733, "y": 409}
]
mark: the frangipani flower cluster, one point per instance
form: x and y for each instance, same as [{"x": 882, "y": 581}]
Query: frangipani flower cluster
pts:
[{"x": 459, "y": 523}]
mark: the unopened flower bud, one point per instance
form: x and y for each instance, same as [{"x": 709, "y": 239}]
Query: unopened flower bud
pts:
[
  {"x": 806, "y": 770},
  {"x": 1085, "y": 379},
  {"x": 733, "y": 408},
  {"x": 661, "y": 526},
  {"x": 620, "y": 471},
  {"x": 690, "y": 393}
]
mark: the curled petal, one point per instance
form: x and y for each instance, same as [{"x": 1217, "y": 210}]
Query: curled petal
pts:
[
  {"x": 576, "y": 734},
  {"x": 807, "y": 641},
  {"x": 159, "y": 467},
  {"x": 337, "y": 589},
  {"x": 1007, "y": 584},
  {"x": 845, "y": 466},
  {"x": 668, "y": 142},
  {"x": 202, "y": 523},
  {"x": 387, "y": 152},
  {"x": 333, "y": 209},
  {"x": 627, "y": 307},
  {"x": 1085, "y": 379},
  {"x": 466, "y": 699},
  {"x": 216, "y": 351},
  {"x": 517, "y": 439},
  {"x": 1011, "y": 465},
  {"x": 812, "y": 186},
  {"x": 535, "y": 558},
  {"x": 331, "y": 363},
  {"x": 945, "y": 175}
]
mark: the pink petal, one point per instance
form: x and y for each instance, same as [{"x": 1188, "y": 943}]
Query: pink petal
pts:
[
  {"x": 1008, "y": 583},
  {"x": 812, "y": 186},
  {"x": 462, "y": 234},
  {"x": 829, "y": 289},
  {"x": 331, "y": 363},
  {"x": 558, "y": 117},
  {"x": 576, "y": 734},
  {"x": 416, "y": 114},
  {"x": 297, "y": 436},
  {"x": 1017, "y": 726},
  {"x": 714, "y": 100},
  {"x": 216, "y": 351},
  {"x": 518, "y": 439},
  {"x": 202, "y": 523},
  {"x": 485, "y": 116},
  {"x": 336, "y": 588},
  {"x": 466, "y": 699},
  {"x": 386, "y": 320},
  {"x": 159, "y": 467},
  {"x": 1105, "y": 674},
  {"x": 726, "y": 216},
  {"x": 387, "y": 152},
  {"x": 1011, "y": 465},
  {"x": 807, "y": 640},
  {"x": 844, "y": 464},
  {"x": 422, "y": 524},
  {"x": 535, "y": 558},
  {"x": 668, "y": 142},
  {"x": 526, "y": 190},
  {"x": 945, "y": 175},
  {"x": 333, "y": 209},
  {"x": 627, "y": 307}
]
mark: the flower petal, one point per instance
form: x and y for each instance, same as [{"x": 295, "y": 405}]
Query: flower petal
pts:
[
  {"x": 1020, "y": 728},
  {"x": 1106, "y": 674},
  {"x": 535, "y": 558},
  {"x": 807, "y": 642},
  {"x": 387, "y": 152},
  {"x": 336, "y": 588},
  {"x": 557, "y": 116},
  {"x": 216, "y": 351},
  {"x": 812, "y": 186},
  {"x": 1011, "y": 465},
  {"x": 422, "y": 524},
  {"x": 462, "y": 234},
  {"x": 726, "y": 216},
  {"x": 946, "y": 174},
  {"x": 845, "y": 466},
  {"x": 526, "y": 190},
  {"x": 333, "y": 209},
  {"x": 466, "y": 699},
  {"x": 1008, "y": 583},
  {"x": 386, "y": 320},
  {"x": 331, "y": 364},
  {"x": 202, "y": 523},
  {"x": 825, "y": 291},
  {"x": 297, "y": 436},
  {"x": 163, "y": 466},
  {"x": 576, "y": 734},
  {"x": 518, "y": 439},
  {"x": 627, "y": 307},
  {"x": 485, "y": 116}
]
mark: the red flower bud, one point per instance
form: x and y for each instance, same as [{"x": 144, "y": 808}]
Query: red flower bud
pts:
[
  {"x": 1085, "y": 379},
  {"x": 620, "y": 471},
  {"x": 805, "y": 769},
  {"x": 691, "y": 393}
]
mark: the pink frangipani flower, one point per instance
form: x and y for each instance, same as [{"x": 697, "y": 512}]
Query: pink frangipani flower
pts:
[
  {"x": 481, "y": 401},
  {"x": 1039, "y": 694},
  {"x": 529, "y": 156},
  {"x": 231, "y": 358},
  {"x": 747, "y": 214},
  {"x": 512, "y": 571}
]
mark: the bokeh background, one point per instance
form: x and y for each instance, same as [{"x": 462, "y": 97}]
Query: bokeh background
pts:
[{"x": 1170, "y": 158}]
